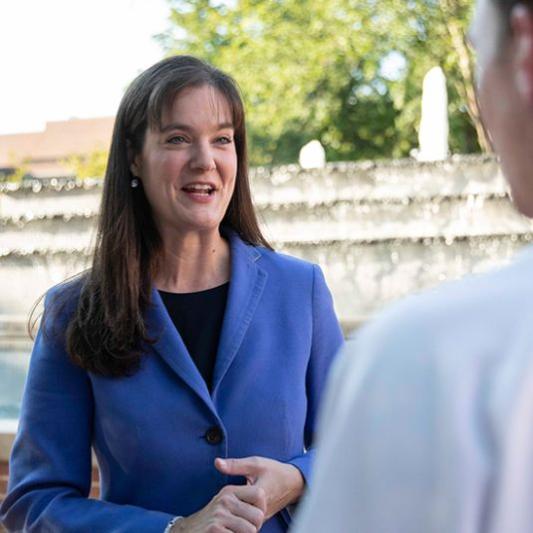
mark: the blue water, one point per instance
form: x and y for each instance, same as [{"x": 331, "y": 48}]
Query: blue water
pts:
[{"x": 13, "y": 369}]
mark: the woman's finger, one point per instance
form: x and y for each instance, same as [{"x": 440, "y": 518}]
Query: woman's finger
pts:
[
  {"x": 247, "y": 511},
  {"x": 253, "y": 495},
  {"x": 249, "y": 467},
  {"x": 237, "y": 524}
]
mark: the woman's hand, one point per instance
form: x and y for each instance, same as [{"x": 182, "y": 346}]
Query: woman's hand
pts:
[
  {"x": 236, "y": 509},
  {"x": 282, "y": 483}
]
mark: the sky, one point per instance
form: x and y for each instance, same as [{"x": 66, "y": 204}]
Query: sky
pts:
[{"x": 62, "y": 59}]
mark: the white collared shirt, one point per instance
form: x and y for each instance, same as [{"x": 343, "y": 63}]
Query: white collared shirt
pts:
[{"x": 427, "y": 425}]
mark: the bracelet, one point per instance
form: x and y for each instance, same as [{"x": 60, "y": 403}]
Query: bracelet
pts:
[{"x": 172, "y": 523}]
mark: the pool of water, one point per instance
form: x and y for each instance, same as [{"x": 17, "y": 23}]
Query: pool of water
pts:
[{"x": 13, "y": 370}]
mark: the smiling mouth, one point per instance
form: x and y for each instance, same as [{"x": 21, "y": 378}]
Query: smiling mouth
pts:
[{"x": 200, "y": 189}]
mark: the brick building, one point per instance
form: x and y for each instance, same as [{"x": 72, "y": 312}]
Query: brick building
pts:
[{"x": 42, "y": 153}]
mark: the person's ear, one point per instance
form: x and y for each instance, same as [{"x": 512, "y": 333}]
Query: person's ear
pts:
[
  {"x": 135, "y": 166},
  {"x": 135, "y": 162},
  {"x": 522, "y": 31}
]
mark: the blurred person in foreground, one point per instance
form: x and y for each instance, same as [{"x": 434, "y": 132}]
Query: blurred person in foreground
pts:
[
  {"x": 427, "y": 425},
  {"x": 191, "y": 357}
]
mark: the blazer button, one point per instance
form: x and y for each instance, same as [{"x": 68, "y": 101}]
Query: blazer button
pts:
[{"x": 213, "y": 435}]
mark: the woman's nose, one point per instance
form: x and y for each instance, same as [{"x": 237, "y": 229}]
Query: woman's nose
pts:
[{"x": 202, "y": 157}]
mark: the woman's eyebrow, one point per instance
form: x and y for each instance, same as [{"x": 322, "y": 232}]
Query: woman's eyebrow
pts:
[{"x": 185, "y": 127}]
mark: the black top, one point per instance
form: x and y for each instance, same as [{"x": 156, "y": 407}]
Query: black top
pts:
[{"x": 198, "y": 318}]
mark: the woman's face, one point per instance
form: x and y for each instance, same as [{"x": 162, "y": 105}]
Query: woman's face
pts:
[{"x": 188, "y": 168}]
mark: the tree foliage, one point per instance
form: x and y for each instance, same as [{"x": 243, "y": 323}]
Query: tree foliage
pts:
[
  {"x": 347, "y": 72},
  {"x": 18, "y": 169},
  {"x": 91, "y": 165}
]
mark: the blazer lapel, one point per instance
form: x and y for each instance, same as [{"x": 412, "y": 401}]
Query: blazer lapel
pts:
[
  {"x": 170, "y": 346},
  {"x": 246, "y": 287}
]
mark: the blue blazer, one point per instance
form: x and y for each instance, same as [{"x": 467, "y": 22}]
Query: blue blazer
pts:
[{"x": 157, "y": 433}]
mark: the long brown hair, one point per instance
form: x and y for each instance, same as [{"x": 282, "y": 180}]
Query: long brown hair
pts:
[{"x": 107, "y": 331}]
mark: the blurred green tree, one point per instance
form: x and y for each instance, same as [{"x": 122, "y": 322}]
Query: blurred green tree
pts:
[
  {"x": 347, "y": 72},
  {"x": 17, "y": 170},
  {"x": 90, "y": 165}
]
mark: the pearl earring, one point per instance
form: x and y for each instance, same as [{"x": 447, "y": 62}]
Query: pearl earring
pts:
[{"x": 134, "y": 183}]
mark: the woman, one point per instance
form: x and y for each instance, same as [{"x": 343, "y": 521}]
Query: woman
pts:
[{"x": 189, "y": 340}]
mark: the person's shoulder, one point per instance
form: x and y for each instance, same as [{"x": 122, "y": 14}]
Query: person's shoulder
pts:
[
  {"x": 292, "y": 272},
  {"x": 57, "y": 306},
  {"x": 440, "y": 341},
  {"x": 282, "y": 260},
  {"x": 483, "y": 307},
  {"x": 443, "y": 347},
  {"x": 62, "y": 298},
  {"x": 469, "y": 315},
  {"x": 69, "y": 288},
  {"x": 267, "y": 258}
]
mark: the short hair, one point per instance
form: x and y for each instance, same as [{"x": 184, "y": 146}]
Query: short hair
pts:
[{"x": 505, "y": 7}]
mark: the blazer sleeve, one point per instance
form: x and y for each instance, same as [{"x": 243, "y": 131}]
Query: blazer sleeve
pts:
[
  {"x": 327, "y": 338},
  {"x": 50, "y": 465}
]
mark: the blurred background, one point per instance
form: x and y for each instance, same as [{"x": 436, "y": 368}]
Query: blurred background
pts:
[
  {"x": 369, "y": 156},
  {"x": 346, "y": 72}
]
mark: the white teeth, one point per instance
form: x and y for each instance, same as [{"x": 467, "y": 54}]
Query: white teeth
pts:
[{"x": 199, "y": 188}]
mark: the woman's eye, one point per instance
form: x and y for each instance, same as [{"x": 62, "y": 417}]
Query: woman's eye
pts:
[
  {"x": 177, "y": 139},
  {"x": 224, "y": 140}
]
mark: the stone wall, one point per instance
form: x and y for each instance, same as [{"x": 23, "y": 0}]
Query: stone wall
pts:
[{"x": 379, "y": 230}]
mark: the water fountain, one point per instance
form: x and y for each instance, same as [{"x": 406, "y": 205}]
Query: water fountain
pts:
[
  {"x": 434, "y": 126},
  {"x": 379, "y": 231},
  {"x": 312, "y": 155}
]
